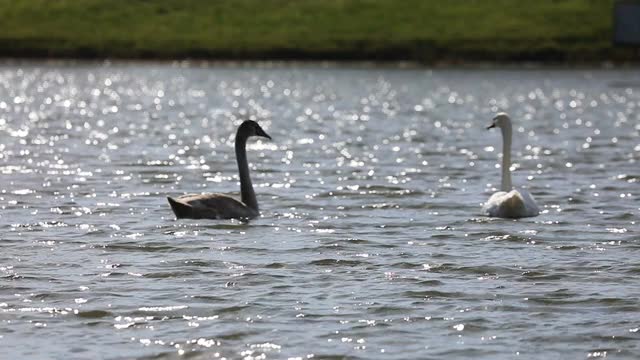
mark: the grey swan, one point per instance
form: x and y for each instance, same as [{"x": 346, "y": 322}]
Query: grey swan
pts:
[{"x": 220, "y": 206}]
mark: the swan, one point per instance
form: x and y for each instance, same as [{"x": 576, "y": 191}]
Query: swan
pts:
[
  {"x": 219, "y": 206},
  {"x": 508, "y": 203}
]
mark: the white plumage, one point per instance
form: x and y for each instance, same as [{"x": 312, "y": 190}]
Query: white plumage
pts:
[
  {"x": 512, "y": 204},
  {"x": 508, "y": 203}
]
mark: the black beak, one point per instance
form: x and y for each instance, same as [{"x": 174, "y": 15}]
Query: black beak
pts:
[
  {"x": 260, "y": 132},
  {"x": 491, "y": 126}
]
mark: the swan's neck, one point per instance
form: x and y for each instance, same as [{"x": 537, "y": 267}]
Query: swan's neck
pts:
[
  {"x": 246, "y": 187},
  {"x": 506, "y": 157}
]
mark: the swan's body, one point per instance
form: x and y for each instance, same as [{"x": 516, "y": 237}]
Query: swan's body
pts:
[
  {"x": 512, "y": 204},
  {"x": 220, "y": 206},
  {"x": 508, "y": 203},
  {"x": 210, "y": 206}
]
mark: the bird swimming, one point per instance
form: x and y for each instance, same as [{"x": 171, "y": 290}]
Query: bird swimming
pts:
[
  {"x": 220, "y": 206},
  {"x": 508, "y": 203}
]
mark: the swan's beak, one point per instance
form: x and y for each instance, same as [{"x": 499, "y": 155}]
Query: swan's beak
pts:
[
  {"x": 491, "y": 126},
  {"x": 260, "y": 132}
]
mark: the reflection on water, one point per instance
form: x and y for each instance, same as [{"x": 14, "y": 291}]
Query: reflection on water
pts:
[{"x": 371, "y": 244}]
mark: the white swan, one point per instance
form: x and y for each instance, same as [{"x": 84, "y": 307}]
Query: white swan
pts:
[
  {"x": 508, "y": 203},
  {"x": 219, "y": 206}
]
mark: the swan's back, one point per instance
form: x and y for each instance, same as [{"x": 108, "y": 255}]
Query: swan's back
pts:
[
  {"x": 210, "y": 206},
  {"x": 513, "y": 204}
]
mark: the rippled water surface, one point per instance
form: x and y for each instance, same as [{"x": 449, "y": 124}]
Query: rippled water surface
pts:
[{"x": 371, "y": 242}]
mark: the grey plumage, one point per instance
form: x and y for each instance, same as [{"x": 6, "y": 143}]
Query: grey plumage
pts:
[{"x": 220, "y": 206}]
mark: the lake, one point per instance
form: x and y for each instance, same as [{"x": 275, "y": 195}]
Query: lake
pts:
[{"x": 371, "y": 243}]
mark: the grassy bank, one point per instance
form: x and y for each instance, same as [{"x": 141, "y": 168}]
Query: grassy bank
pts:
[{"x": 420, "y": 30}]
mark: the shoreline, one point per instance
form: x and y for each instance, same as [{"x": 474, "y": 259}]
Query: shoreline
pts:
[{"x": 323, "y": 63}]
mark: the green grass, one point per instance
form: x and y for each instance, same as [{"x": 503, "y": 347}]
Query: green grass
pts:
[{"x": 421, "y": 30}]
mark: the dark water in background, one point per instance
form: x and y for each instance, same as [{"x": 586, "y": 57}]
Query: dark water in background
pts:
[{"x": 371, "y": 243}]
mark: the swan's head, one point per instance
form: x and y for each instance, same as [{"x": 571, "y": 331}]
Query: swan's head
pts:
[
  {"x": 251, "y": 128},
  {"x": 501, "y": 120}
]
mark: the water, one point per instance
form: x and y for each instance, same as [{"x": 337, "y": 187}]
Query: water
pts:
[{"x": 371, "y": 244}]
